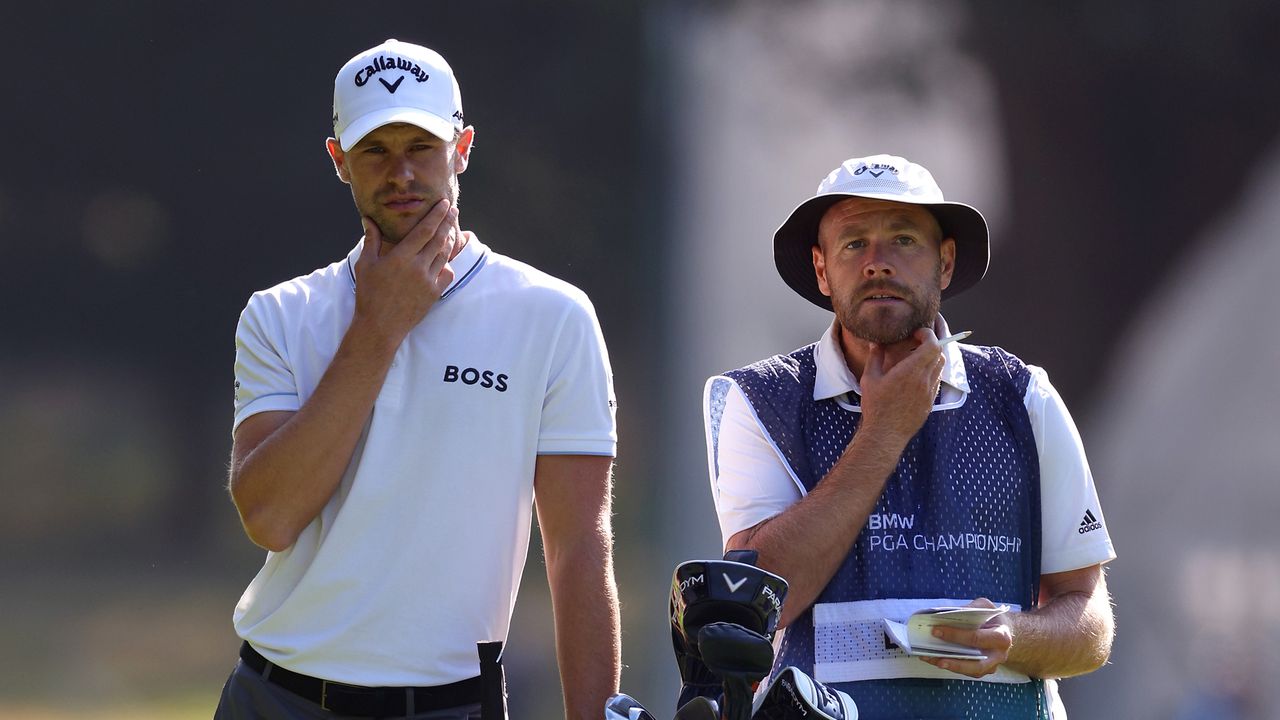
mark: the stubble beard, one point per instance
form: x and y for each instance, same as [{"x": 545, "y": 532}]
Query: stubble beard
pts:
[
  {"x": 880, "y": 326},
  {"x": 389, "y": 224}
]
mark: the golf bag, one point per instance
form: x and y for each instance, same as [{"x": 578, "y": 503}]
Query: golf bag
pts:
[{"x": 718, "y": 591}]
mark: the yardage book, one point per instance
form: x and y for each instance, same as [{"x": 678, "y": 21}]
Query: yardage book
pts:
[{"x": 915, "y": 636}]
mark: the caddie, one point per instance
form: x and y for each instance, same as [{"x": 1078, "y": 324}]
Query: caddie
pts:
[{"x": 888, "y": 467}]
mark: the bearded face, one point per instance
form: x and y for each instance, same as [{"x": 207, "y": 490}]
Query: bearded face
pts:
[
  {"x": 884, "y": 265},
  {"x": 888, "y": 311}
]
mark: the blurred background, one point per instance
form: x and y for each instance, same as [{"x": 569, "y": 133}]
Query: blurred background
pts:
[{"x": 164, "y": 160}]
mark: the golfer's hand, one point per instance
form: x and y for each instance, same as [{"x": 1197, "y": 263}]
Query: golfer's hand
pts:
[
  {"x": 995, "y": 639},
  {"x": 397, "y": 284},
  {"x": 897, "y": 400}
]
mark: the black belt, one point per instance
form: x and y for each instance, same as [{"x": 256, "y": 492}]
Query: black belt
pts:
[{"x": 342, "y": 699}]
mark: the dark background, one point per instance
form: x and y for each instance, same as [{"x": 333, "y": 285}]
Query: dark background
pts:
[{"x": 163, "y": 161}]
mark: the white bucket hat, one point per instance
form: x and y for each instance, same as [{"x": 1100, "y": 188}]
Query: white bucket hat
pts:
[
  {"x": 881, "y": 177},
  {"x": 395, "y": 82}
]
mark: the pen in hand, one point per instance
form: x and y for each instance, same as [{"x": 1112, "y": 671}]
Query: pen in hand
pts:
[{"x": 957, "y": 336}]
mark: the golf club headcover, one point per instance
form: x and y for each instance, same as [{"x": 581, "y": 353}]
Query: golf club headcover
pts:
[
  {"x": 796, "y": 696},
  {"x": 741, "y": 658},
  {"x": 699, "y": 708},
  {"x": 707, "y": 591},
  {"x": 731, "y": 649},
  {"x": 621, "y": 706}
]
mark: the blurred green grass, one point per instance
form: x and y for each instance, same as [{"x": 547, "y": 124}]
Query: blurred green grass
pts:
[
  {"x": 151, "y": 643},
  {"x": 196, "y": 704},
  {"x": 158, "y": 642}
]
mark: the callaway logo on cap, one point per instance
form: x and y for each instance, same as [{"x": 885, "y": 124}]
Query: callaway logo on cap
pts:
[{"x": 395, "y": 82}]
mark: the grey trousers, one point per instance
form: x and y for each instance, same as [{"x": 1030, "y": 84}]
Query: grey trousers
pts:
[{"x": 247, "y": 696}]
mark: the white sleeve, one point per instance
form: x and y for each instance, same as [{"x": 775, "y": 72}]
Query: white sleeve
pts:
[
  {"x": 578, "y": 410},
  {"x": 264, "y": 379},
  {"x": 1073, "y": 533},
  {"x": 750, "y": 482}
]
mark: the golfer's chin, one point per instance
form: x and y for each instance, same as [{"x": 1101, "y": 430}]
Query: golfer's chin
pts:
[{"x": 394, "y": 227}]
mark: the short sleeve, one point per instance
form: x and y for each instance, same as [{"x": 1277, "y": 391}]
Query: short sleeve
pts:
[
  {"x": 264, "y": 380},
  {"x": 1072, "y": 529},
  {"x": 578, "y": 411},
  {"x": 749, "y": 480}
]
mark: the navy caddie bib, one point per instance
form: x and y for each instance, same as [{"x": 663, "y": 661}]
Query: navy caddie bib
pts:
[{"x": 958, "y": 519}]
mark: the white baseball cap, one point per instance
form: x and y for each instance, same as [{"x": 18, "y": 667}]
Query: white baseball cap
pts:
[
  {"x": 395, "y": 82},
  {"x": 881, "y": 177}
]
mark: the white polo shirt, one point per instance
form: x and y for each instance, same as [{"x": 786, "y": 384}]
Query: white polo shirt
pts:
[
  {"x": 754, "y": 482},
  {"x": 419, "y": 553}
]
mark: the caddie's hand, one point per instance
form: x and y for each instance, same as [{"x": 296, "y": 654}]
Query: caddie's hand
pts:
[
  {"x": 995, "y": 639},
  {"x": 397, "y": 284},
  {"x": 897, "y": 398}
]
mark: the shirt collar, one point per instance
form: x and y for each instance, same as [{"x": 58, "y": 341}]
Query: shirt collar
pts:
[
  {"x": 834, "y": 378},
  {"x": 465, "y": 264}
]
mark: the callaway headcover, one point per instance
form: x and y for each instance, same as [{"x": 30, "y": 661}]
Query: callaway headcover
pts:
[
  {"x": 708, "y": 591},
  {"x": 621, "y": 706},
  {"x": 795, "y": 696}
]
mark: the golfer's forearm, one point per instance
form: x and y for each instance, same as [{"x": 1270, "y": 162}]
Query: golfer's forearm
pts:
[
  {"x": 807, "y": 543},
  {"x": 588, "y": 636},
  {"x": 284, "y": 481}
]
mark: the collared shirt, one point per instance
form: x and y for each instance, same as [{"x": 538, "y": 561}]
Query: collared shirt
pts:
[
  {"x": 836, "y": 380},
  {"x": 755, "y": 484},
  {"x": 419, "y": 553},
  {"x": 465, "y": 263}
]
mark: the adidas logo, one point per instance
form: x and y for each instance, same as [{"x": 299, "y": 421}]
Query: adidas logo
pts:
[{"x": 1089, "y": 523}]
